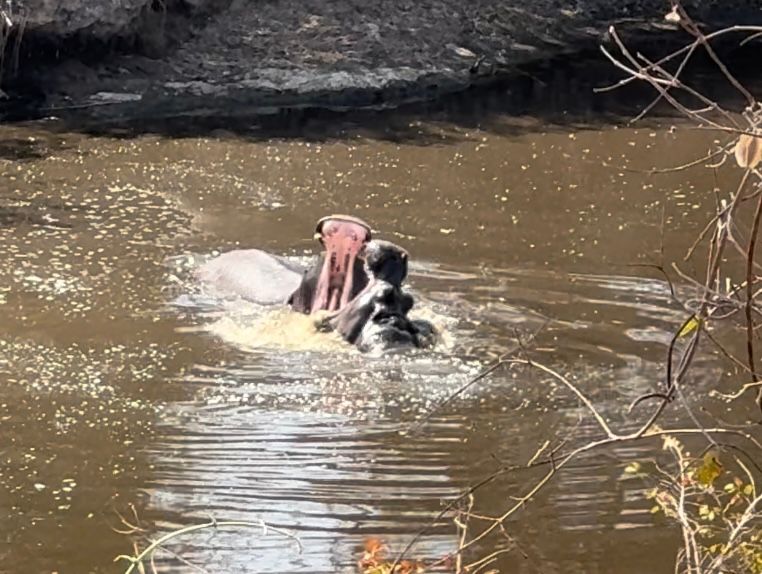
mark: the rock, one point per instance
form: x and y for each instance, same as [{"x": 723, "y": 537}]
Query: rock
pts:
[
  {"x": 115, "y": 98},
  {"x": 98, "y": 18}
]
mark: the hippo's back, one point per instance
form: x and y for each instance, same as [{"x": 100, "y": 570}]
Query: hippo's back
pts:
[{"x": 252, "y": 274}]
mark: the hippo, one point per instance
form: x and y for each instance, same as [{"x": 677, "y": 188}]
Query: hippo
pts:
[
  {"x": 353, "y": 288},
  {"x": 335, "y": 278},
  {"x": 376, "y": 318}
]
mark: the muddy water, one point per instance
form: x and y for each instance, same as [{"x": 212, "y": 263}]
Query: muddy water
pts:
[{"x": 129, "y": 390}]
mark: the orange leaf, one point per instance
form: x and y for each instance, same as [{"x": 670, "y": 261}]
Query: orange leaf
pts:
[
  {"x": 371, "y": 558},
  {"x": 373, "y": 545}
]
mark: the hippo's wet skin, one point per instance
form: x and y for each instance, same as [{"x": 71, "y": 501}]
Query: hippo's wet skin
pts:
[
  {"x": 335, "y": 278},
  {"x": 376, "y": 319},
  {"x": 358, "y": 281}
]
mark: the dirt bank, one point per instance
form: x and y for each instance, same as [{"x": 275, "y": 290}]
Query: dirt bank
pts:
[{"x": 143, "y": 59}]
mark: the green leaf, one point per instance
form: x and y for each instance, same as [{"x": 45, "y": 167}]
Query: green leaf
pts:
[
  {"x": 632, "y": 468},
  {"x": 710, "y": 469},
  {"x": 689, "y": 327}
]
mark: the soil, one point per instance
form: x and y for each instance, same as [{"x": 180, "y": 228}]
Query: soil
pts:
[{"x": 258, "y": 56}]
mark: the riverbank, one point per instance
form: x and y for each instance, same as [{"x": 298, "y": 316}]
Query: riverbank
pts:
[{"x": 223, "y": 58}]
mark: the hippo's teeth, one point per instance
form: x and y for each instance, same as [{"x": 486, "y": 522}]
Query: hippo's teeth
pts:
[{"x": 344, "y": 238}]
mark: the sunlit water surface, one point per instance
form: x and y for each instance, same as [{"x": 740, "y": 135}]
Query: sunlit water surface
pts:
[{"x": 126, "y": 385}]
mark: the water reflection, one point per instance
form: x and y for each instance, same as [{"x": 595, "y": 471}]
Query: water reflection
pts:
[{"x": 319, "y": 440}]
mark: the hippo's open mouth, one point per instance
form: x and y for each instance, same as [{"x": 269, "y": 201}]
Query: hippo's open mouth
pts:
[{"x": 344, "y": 238}]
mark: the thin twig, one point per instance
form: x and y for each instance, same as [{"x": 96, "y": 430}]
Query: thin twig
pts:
[
  {"x": 580, "y": 395},
  {"x": 750, "y": 294},
  {"x": 754, "y": 30},
  {"x": 136, "y": 561}
]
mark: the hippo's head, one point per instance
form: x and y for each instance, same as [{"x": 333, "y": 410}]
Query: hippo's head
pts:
[
  {"x": 339, "y": 274},
  {"x": 376, "y": 319}
]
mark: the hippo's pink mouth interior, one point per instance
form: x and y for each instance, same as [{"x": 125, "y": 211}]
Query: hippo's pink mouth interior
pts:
[{"x": 344, "y": 239}]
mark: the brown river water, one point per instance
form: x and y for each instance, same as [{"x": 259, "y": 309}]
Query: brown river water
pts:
[{"x": 124, "y": 384}]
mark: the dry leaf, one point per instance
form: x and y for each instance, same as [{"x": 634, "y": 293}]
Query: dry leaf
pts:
[
  {"x": 374, "y": 561},
  {"x": 673, "y": 16},
  {"x": 463, "y": 52},
  {"x": 748, "y": 151},
  {"x": 374, "y": 551}
]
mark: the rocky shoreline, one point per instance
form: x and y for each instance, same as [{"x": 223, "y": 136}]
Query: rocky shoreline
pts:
[{"x": 136, "y": 59}]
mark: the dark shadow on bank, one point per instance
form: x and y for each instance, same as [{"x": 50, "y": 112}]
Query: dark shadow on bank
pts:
[{"x": 558, "y": 95}]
